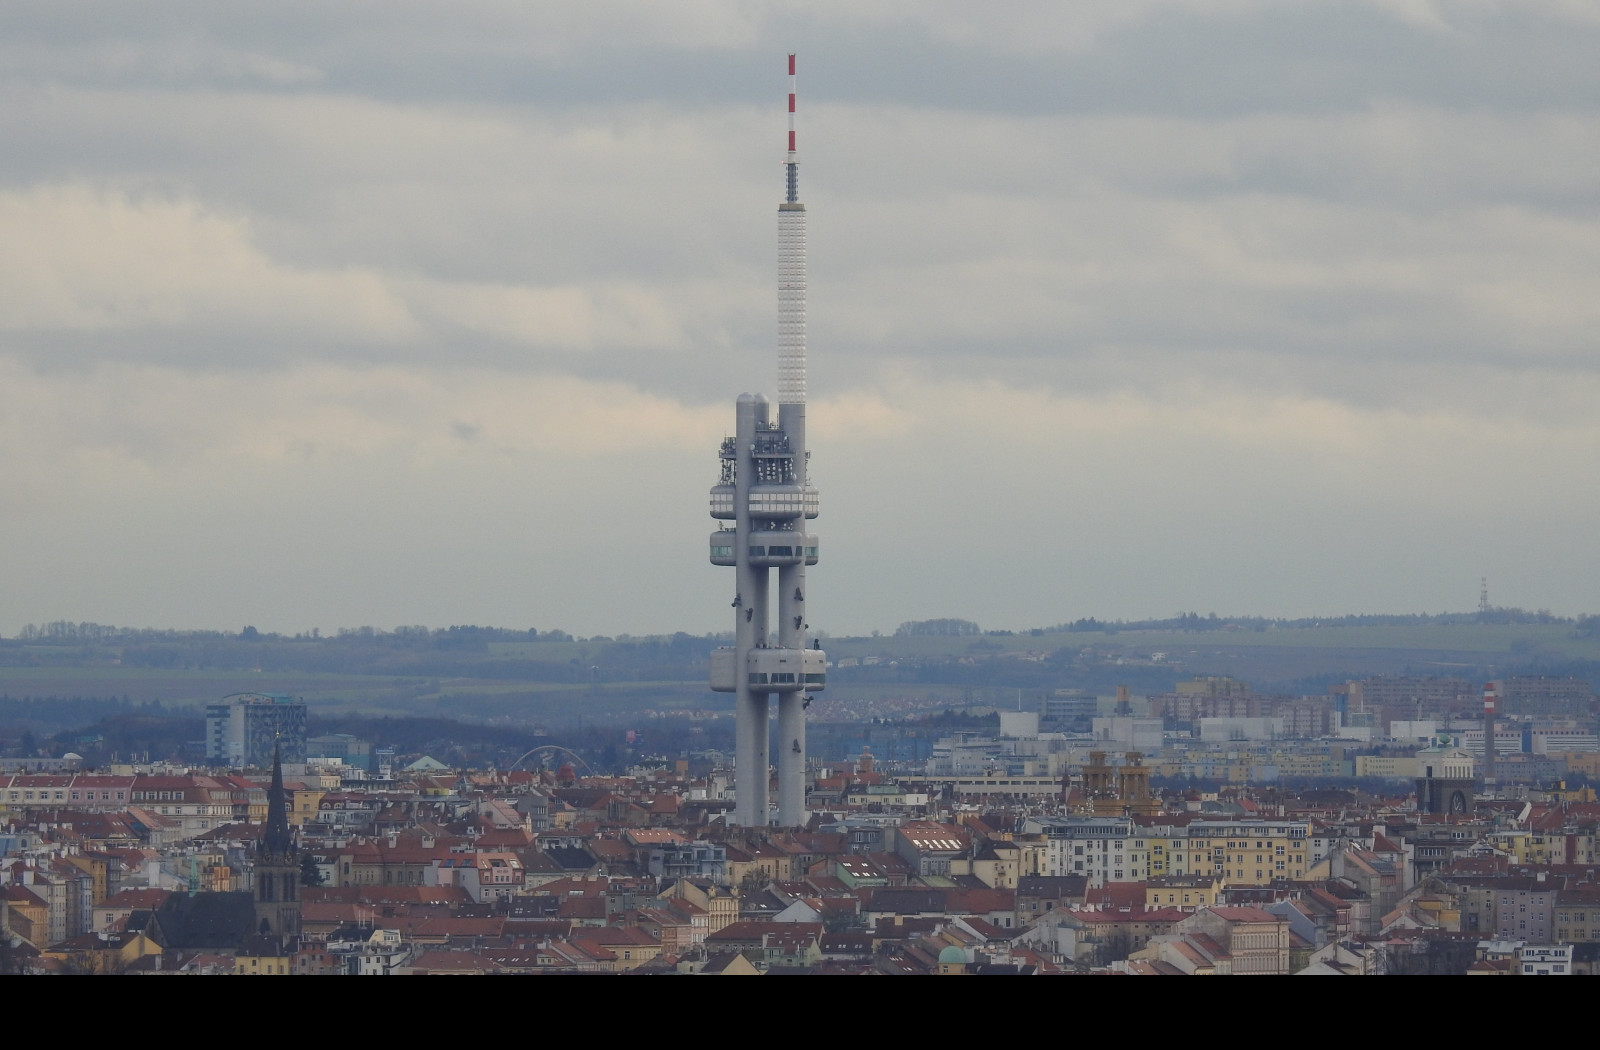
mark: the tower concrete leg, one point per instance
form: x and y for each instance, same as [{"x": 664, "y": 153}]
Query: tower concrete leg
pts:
[
  {"x": 751, "y": 759},
  {"x": 791, "y": 759}
]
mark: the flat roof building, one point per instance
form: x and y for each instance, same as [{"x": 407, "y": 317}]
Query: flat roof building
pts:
[{"x": 243, "y": 729}]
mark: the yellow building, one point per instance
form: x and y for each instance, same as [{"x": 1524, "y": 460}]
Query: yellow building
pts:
[
  {"x": 94, "y": 865},
  {"x": 1530, "y": 847},
  {"x": 303, "y": 803},
  {"x": 1239, "y": 852},
  {"x": 263, "y": 964},
  {"x": 1388, "y": 767},
  {"x": 1301, "y": 764},
  {"x": 1033, "y": 854},
  {"x": 1182, "y": 891},
  {"x": 719, "y": 905}
]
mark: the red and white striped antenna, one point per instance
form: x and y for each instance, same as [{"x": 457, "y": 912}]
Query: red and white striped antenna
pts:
[{"x": 791, "y": 163}]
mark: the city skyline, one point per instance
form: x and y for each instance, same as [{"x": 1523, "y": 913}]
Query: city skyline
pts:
[{"x": 316, "y": 321}]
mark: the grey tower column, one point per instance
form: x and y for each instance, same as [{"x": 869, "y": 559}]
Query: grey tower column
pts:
[
  {"x": 791, "y": 635},
  {"x": 751, "y": 761}
]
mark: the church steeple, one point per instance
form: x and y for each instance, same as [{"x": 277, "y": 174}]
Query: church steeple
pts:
[
  {"x": 277, "y": 865},
  {"x": 277, "y": 839}
]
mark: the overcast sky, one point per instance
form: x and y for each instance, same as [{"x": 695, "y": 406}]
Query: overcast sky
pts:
[{"x": 410, "y": 313}]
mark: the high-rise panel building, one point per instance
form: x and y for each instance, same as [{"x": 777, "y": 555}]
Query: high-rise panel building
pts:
[
  {"x": 247, "y": 729},
  {"x": 765, "y": 496}
]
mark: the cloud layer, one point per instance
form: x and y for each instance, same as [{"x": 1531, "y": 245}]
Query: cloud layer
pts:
[{"x": 316, "y": 317}]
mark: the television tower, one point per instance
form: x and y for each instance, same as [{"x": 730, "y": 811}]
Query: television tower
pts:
[{"x": 765, "y": 492}]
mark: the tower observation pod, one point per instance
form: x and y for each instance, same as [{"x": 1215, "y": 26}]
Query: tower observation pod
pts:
[{"x": 764, "y": 498}]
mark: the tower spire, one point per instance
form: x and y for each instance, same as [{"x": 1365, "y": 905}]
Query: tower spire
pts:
[
  {"x": 791, "y": 164},
  {"x": 276, "y": 838}
]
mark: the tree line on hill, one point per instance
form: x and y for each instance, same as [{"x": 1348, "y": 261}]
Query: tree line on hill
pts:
[
  {"x": 1192, "y": 621},
  {"x": 452, "y": 652}
]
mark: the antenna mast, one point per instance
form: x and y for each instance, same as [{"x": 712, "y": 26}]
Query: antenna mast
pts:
[{"x": 791, "y": 275}]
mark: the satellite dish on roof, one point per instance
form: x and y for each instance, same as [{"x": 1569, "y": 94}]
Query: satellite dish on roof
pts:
[{"x": 72, "y": 756}]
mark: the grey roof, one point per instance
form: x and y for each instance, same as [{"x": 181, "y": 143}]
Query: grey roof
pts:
[{"x": 210, "y": 921}]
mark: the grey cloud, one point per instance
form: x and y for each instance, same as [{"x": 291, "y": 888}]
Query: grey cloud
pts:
[
  {"x": 1211, "y": 288},
  {"x": 1178, "y": 58}
]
